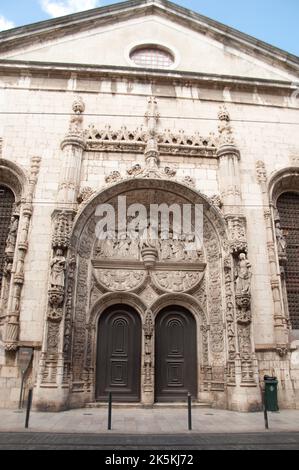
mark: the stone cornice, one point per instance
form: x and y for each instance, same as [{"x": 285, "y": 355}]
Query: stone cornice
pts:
[
  {"x": 18, "y": 38},
  {"x": 55, "y": 69}
]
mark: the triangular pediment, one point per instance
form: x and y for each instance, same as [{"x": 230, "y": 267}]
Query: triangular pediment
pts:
[{"x": 105, "y": 37}]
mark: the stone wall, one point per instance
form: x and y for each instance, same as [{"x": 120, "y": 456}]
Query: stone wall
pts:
[{"x": 37, "y": 110}]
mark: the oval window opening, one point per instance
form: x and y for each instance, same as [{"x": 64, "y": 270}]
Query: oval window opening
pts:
[{"x": 152, "y": 57}]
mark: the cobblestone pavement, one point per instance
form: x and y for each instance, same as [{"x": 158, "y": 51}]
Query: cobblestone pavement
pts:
[
  {"x": 149, "y": 421},
  {"x": 114, "y": 442}
]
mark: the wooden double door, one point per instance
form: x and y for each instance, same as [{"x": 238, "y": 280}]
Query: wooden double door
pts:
[{"x": 119, "y": 355}]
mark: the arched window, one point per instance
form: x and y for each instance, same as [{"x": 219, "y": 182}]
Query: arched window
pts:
[
  {"x": 152, "y": 56},
  {"x": 7, "y": 200},
  {"x": 288, "y": 208}
]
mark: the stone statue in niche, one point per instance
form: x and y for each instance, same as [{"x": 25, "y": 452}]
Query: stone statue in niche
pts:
[
  {"x": 58, "y": 265},
  {"x": 243, "y": 276},
  {"x": 281, "y": 241},
  {"x": 12, "y": 236}
]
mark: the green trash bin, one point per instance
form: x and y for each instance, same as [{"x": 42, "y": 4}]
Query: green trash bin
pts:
[{"x": 271, "y": 401}]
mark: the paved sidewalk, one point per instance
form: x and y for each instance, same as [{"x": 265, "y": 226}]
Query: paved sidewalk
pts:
[
  {"x": 112, "y": 443},
  {"x": 148, "y": 421}
]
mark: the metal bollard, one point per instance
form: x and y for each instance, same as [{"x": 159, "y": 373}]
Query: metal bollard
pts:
[
  {"x": 189, "y": 412},
  {"x": 110, "y": 412},
  {"x": 29, "y": 403},
  {"x": 21, "y": 393},
  {"x": 266, "y": 416},
  {"x": 265, "y": 412}
]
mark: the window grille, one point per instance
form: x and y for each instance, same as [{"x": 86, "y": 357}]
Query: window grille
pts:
[
  {"x": 6, "y": 208},
  {"x": 288, "y": 208}
]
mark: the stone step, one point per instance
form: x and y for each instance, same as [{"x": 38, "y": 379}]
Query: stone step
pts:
[{"x": 156, "y": 406}]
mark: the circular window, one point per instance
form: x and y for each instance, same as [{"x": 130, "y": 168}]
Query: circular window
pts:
[{"x": 152, "y": 56}]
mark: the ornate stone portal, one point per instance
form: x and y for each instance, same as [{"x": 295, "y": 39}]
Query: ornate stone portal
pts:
[
  {"x": 89, "y": 273},
  {"x": 95, "y": 274}
]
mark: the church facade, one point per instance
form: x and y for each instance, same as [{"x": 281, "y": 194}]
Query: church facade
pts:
[{"x": 126, "y": 107}]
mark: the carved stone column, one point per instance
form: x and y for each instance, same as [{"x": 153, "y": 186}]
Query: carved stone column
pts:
[
  {"x": 148, "y": 397},
  {"x": 17, "y": 278},
  {"x": 280, "y": 321},
  {"x": 10, "y": 250},
  {"x": 229, "y": 171},
  {"x": 243, "y": 392},
  {"x": 52, "y": 354},
  {"x": 72, "y": 151},
  {"x": 152, "y": 118},
  {"x": 54, "y": 370}
]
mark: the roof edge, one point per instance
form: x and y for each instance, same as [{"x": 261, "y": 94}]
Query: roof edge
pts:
[{"x": 15, "y": 37}]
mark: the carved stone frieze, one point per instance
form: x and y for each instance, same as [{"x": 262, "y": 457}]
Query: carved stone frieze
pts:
[
  {"x": 179, "y": 249},
  {"x": 205, "y": 342},
  {"x": 244, "y": 336},
  {"x": 177, "y": 281},
  {"x": 230, "y": 313},
  {"x": 79, "y": 342},
  {"x": 214, "y": 296},
  {"x": 69, "y": 305},
  {"x": 169, "y": 142},
  {"x": 119, "y": 279}
]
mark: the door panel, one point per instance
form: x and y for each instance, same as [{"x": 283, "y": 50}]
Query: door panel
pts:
[
  {"x": 176, "y": 355},
  {"x": 119, "y": 354}
]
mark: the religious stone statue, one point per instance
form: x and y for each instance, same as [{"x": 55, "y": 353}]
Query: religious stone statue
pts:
[
  {"x": 243, "y": 276},
  {"x": 281, "y": 241},
  {"x": 12, "y": 236},
  {"x": 58, "y": 265}
]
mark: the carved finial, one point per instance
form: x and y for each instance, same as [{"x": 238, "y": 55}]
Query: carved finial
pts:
[
  {"x": 225, "y": 130},
  {"x": 223, "y": 114},
  {"x": 76, "y": 120},
  {"x": 152, "y": 109},
  {"x": 152, "y": 117},
  {"x": 78, "y": 105},
  {"x": 261, "y": 173}
]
